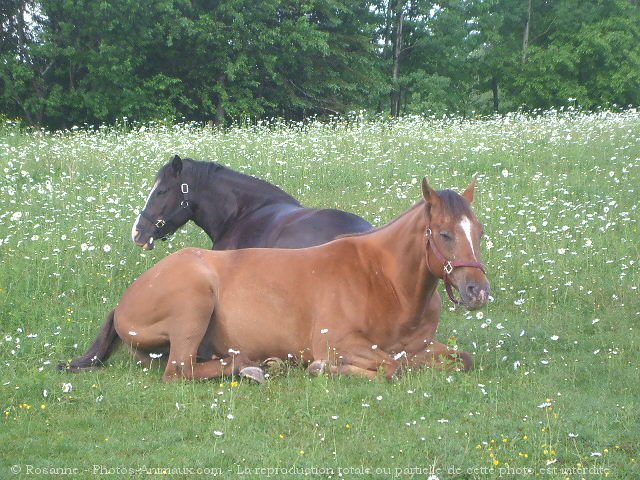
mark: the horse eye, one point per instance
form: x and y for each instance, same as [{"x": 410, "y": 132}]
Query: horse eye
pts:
[{"x": 446, "y": 236}]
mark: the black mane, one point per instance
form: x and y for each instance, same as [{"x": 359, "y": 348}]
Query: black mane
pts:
[{"x": 206, "y": 171}]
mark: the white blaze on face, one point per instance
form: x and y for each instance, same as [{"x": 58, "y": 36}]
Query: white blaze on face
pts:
[
  {"x": 465, "y": 224},
  {"x": 134, "y": 230}
]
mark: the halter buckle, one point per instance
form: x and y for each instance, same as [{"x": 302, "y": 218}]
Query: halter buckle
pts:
[
  {"x": 160, "y": 223},
  {"x": 448, "y": 268},
  {"x": 184, "y": 188}
]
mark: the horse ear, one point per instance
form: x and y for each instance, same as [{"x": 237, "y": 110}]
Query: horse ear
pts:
[
  {"x": 468, "y": 193},
  {"x": 428, "y": 193},
  {"x": 176, "y": 165}
]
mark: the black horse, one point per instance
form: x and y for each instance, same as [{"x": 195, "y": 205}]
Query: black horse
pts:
[{"x": 236, "y": 210}]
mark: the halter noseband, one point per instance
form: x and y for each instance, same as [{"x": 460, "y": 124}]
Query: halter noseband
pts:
[
  {"x": 172, "y": 223},
  {"x": 448, "y": 265}
]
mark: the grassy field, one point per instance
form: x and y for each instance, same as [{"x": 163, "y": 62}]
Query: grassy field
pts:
[{"x": 556, "y": 390}]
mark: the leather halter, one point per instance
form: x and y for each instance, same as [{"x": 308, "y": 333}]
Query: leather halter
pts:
[
  {"x": 182, "y": 213},
  {"x": 448, "y": 265}
]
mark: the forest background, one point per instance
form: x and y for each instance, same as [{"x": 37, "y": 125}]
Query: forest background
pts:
[{"x": 88, "y": 62}]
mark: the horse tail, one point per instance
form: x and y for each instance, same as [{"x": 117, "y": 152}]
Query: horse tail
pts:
[{"x": 100, "y": 350}]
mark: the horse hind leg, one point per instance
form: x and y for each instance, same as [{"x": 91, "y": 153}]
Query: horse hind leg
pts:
[
  {"x": 150, "y": 358},
  {"x": 185, "y": 343},
  {"x": 220, "y": 367}
]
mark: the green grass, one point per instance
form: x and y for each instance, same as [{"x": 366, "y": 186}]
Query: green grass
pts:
[{"x": 556, "y": 384}]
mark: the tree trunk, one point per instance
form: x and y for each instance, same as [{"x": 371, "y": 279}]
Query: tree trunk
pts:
[
  {"x": 494, "y": 89},
  {"x": 525, "y": 37},
  {"x": 20, "y": 31},
  {"x": 220, "y": 113},
  {"x": 397, "y": 48}
]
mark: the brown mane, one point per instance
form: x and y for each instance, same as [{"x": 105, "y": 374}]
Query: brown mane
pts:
[{"x": 453, "y": 203}]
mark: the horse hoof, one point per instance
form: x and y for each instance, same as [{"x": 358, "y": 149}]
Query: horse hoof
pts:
[
  {"x": 396, "y": 374},
  {"x": 317, "y": 367},
  {"x": 253, "y": 373},
  {"x": 274, "y": 365},
  {"x": 467, "y": 361}
]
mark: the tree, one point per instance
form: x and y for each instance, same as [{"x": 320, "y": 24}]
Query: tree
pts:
[{"x": 70, "y": 62}]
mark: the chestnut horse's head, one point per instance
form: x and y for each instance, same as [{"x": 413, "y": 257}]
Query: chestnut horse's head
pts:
[
  {"x": 453, "y": 237},
  {"x": 167, "y": 207}
]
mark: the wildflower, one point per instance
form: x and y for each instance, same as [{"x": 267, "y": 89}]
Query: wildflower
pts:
[{"x": 67, "y": 388}]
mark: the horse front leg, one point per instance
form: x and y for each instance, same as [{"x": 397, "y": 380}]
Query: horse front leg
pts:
[
  {"x": 354, "y": 356},
  {"x": 423, "y": 350},
  {"x": 438, "y": 355}
]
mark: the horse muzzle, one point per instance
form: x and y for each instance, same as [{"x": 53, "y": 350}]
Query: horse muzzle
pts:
[
  {"x": 146, "y": 245},
  {"x": 474, "y": 294}
]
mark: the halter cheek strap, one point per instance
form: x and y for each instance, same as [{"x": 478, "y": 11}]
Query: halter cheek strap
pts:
[
  {"x": 448, "y": 265},
  {"x": 181, "y": 214}
]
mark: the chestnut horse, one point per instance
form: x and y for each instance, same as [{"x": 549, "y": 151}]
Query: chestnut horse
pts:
[
  {"x": 235, "y": 210},
  {"x": 359, "y": 304}
]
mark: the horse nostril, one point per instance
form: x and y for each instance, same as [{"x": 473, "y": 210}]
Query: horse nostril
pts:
[{"x": 472, "y": 290}]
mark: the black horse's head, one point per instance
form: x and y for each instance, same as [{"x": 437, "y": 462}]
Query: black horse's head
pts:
[{"x": 167, "y": 207}]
